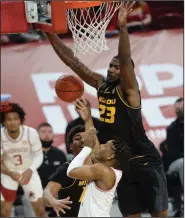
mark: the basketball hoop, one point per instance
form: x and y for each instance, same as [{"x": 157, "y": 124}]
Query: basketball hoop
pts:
[
  {"x": 88, "y": 26},
  {"x": 87, "y": 20}
]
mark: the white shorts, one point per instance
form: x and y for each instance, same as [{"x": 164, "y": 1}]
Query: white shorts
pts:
[{"x": 33, "y": 189}]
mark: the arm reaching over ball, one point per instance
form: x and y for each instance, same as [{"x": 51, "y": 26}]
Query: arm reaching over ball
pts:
[
  {"x": 67, "y": 56},
  {"x": 128, "y": 82},
  {"x": 84, "y": 110}
]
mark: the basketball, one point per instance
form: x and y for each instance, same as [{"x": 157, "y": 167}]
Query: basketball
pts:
[{"x": 69, "y": 88}]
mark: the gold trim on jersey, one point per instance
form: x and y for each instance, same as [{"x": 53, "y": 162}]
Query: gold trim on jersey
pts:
[
  {"x": 136, "y": 157},
  {"x": 81, "y": 182},
  {"x": 135, "y": 108},
  {"x": 70, "y": 185},
  {"x": 100, "y": 86}
]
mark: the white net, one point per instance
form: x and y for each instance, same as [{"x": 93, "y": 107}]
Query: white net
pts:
[{"x": 88, "y": 26}]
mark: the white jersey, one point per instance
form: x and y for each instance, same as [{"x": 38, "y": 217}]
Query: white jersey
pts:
[
  {"x": 17, "y": 154},
  {"x": 96, "y": 202}
]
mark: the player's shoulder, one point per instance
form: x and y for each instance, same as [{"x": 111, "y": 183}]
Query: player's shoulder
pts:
[
  {"x": 32, "y": 134},
  {"x": 30, "y": 129},
  {"x": 102, "y": 85},
  {"x": 60, "y": 176},
  {"x": 104, "y": 171},
  {"x": 62, "y": 167},
  {"x": 172, "y": 125},
  {"x": 102, "y": 168},
  {"x": 117, "y": 172}
]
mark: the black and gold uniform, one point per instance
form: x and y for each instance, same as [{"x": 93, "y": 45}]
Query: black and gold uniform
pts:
[
  {"x": 73, "y": 188},
  {"x": 119, "y": 120},
  {"x": 145, "y": 186}
]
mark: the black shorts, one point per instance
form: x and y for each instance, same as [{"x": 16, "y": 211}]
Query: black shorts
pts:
[{"x": 144, "y": 189}]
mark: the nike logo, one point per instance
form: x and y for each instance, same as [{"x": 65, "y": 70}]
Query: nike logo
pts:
[{"x": 146, "y": 163}]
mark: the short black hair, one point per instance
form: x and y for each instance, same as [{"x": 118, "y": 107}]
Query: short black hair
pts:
[
  {"x": 179, "y": 100},
  {"x": 44, "y": 124},
  {"x": 122, "y": 154},
  {"x": 16, "y": 108},
  {"x": 117, "y": 57},
  {"x": 73, "y": 132}
]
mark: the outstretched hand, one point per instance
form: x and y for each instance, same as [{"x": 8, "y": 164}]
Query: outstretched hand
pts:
[
  {"x": 83, "y": 109},
  {"x": 60, "y": 205},
  {"x": 125, "y": 9}
]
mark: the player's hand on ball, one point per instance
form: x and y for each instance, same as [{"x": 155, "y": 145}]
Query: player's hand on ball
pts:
[
  {"x": 125, "y": 9},
  {"x": 15, "y": 176},
  {"x": 90, "y": 138},
  {"x": 83, "y": 108},
  {"x": 25, "y": 177},
  {"x": 60, "y": 205}
]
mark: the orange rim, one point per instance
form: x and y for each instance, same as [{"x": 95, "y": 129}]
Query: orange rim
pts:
[{"x": 75, "y": 4}]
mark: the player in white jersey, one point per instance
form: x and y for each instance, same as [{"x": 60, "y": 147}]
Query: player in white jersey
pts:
[
  {"x": 102, "y": 170},
  {"x": 21, "y": 155}
]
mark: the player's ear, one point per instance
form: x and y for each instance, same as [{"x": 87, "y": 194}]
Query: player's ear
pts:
[
  {"x": 71, "y": 146},
  {"x": 112, "y": 156}
]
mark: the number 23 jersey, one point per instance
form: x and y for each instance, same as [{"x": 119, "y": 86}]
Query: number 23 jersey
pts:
[
  {"x": 17, "y": 153},
  {"x": 121, "y": 121}
]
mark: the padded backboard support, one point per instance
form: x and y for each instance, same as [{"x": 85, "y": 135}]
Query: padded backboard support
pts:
[
  {"x": 59, "y": 19},
  {"x": 13, "y": 18}
]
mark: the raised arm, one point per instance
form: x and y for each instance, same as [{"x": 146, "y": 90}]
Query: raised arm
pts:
[
  {"x": 128, "y": 82},
  {"x": 90, "y": 172},
  {"x": 84, "y": 110},
  {"x": 76, "y": 169},
  {"x": 67, "y": 56}
]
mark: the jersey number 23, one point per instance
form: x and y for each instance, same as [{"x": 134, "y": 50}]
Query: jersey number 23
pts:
[{"x": 107, "y": 111}]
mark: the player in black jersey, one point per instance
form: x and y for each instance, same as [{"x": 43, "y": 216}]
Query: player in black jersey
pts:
[
  {"x": 120, "y": 113},
  {"x": 143, "y": 184},
  {"x": 61, "y": 186}
]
